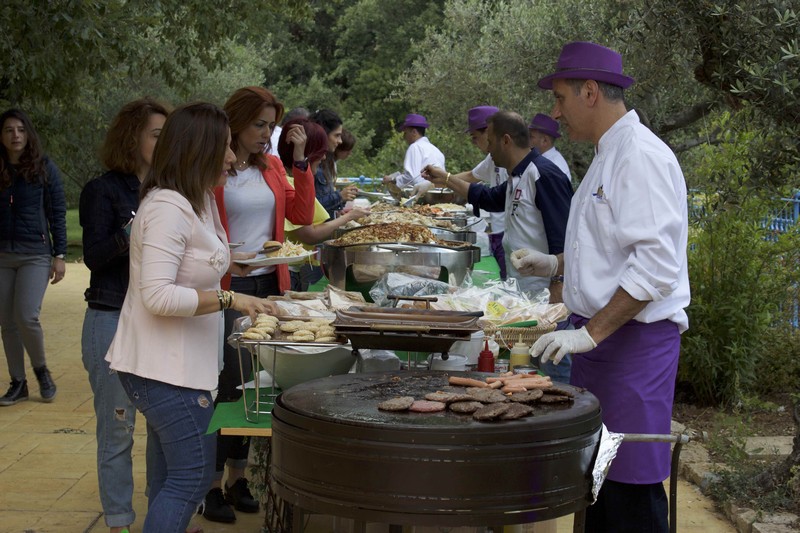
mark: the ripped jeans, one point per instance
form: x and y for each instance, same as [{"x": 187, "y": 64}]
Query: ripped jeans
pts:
[
  {"x": 180, "y": 454},
  {"x": 115, "y": 416}
]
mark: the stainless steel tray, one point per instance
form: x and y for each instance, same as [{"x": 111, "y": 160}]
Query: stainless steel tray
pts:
[
  {"x": 445, "y": 234},
  {"x": 338, "y": 262}
]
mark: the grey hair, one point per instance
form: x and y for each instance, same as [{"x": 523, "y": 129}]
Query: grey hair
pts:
[{"x": 612, "y": 93}]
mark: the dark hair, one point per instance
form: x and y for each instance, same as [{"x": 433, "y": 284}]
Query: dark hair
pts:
[
  {"x": 119, "y": 150},
  {"x": 316, "y": 142},
  {"x": 326, "y": 118},
  {"x": 511, "y": 124},
  {"x": 189, "y": 153},
  {"x": 243, "y": 108},
  {"x": 348, "y": 142},
  {"x": 296, "y": 112},
  {"x": 612, "y": 93},
  {"x": 420, "y": 130},
  {"x": 31, "y": 163}
]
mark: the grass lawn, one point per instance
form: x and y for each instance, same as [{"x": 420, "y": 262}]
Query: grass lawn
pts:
[{"x": 74, "y": 236}]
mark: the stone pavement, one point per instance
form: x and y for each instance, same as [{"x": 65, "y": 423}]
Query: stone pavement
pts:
[{"x": 48, "y": 480}]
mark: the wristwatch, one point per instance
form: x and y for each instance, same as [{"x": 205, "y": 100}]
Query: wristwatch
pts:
[
  {"x": 301, "y": 165},
  {"x": 60, "y": 256}
]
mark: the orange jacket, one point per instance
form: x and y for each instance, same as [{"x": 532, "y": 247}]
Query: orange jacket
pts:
[{"x": 295, "y": 205}]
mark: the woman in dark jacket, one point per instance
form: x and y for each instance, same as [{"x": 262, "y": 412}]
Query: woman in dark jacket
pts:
[
  {"x": 107, "y": 207},
  {"x": 325, "y": 177},
  {"x": 33, "y": 244}
]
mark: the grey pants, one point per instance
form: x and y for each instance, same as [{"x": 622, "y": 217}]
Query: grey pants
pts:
[{"x": 23, "y": 280}]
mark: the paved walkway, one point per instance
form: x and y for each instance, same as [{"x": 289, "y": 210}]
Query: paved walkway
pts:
[{"x": 48, "y": 480}]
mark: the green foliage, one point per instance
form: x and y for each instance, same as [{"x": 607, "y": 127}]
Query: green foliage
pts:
[{"x": 739, "y": 273}]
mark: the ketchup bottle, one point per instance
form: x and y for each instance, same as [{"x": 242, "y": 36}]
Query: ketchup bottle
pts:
[{"x": 486, "y": 359}]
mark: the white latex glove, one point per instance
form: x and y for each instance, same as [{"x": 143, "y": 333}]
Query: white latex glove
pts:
[
  {"x": 422, "y": 187},
  {"x": 532, "y": 263},
  {"x": 557, "y": 344}
]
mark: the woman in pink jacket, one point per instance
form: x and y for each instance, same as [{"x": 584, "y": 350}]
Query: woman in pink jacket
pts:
[{"x": 166, "y": 347}]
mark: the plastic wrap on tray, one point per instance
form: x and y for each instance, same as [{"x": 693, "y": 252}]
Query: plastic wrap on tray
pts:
[
  {"x": 399, "y": 284},
  {"x": 502, "y": 302}
]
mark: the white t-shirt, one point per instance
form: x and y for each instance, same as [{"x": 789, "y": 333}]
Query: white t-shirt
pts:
[
  {"x": 419, "y": 154},
  {"x": 555, "y": 156},
  {"x": 628, "y": 227},
  {"x": 250, "y": 207},
  {"x": 492, "y": 176}
]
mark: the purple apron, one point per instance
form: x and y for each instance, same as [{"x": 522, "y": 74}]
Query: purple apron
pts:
[{"x": 632, "y": 373}]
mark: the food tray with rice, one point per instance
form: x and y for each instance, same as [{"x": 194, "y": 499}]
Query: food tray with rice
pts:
[
  {"x": 276, "y": 253},
  {"x": 506, "y": 336}
]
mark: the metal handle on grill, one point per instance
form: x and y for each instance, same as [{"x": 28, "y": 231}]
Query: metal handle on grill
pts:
[{"x": 400, "y": 327}]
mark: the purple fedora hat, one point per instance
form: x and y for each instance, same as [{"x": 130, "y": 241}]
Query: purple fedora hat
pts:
[
  {"x": 477, "y": 117},
  {"x": 545, "y": 124},
  {"x": 414, "y": 121},
  {"x": 588, "y": 61}
]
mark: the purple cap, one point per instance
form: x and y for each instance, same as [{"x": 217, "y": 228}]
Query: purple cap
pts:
[
  {"x": 545, "y": 124},
  {"x": 477, "y": 117},
  {"x": 588, "y": 61},
  {"x": 414, "y": 121}
]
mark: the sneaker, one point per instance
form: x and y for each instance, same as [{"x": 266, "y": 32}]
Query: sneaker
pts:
[
  {"x": 47, "y": 388},
  {"x": 17, "y": 392},
  {"x": 216, "y": 509},
  {"x": 240, "y": 496}
]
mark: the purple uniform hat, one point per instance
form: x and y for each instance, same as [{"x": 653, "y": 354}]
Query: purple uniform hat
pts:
[
  {"x": 545, "y": 124},
  {"x": 414, "y": 121},
  {"x": 588, "y": 61},
  {"x": 477, "y": 117}
]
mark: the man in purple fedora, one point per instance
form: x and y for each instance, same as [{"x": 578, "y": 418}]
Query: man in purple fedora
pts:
[
  {"x": 625, "y": 280},
  {"x": 543, "y": 134},
  {"x": 420, "y": 153}
]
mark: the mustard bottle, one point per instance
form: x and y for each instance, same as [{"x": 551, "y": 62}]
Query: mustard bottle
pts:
[{"x": 520, "y": 355}]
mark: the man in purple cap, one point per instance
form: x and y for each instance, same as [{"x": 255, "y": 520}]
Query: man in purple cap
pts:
[
  {"x": 486, "y": 172},
  {"x": 419, "y": 154},
  {"x": 543, "y": 134},
  {"x": 625, "y": 280}
]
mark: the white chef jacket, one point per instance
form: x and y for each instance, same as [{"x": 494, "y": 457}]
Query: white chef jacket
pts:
[
  {"x": 273, "y": 141},
  {"x": 555, "y": 156},
  {"x": 628, "y": 227},
  {"x": 492, "y": 175},
  {"x": 419, "y": 154}
]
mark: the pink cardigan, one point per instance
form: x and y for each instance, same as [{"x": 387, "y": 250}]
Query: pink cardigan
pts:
[
  {"x": 295, "y": 205},
  {"x": 173, "y": 253}
]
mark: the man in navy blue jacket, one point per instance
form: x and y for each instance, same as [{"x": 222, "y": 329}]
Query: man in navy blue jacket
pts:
[{"x": 536, "y": 199}]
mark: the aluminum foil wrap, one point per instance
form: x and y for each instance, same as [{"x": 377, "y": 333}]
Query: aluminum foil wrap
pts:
[{"x": 607, "y": 450}]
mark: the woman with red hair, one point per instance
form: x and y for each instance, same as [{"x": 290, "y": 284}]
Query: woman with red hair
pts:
[
  {"x": 253, "y": 205},
  {"x": 317, "y": 150}
]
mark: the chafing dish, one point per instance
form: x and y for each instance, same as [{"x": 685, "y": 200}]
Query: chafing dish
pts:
[
  {"x": 349, "y": 267},
  {"x": 405, "y": 329},
  {"x": 441, "y": 196}
]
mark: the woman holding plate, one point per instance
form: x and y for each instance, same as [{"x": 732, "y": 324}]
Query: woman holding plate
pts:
[{"x": 253, "y": 204}]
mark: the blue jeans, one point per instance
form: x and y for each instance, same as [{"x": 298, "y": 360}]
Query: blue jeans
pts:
[
  {"x": 180, "y": 456},
  {"x": 115, "y": 416}
]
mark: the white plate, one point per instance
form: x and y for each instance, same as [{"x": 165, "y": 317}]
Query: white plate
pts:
[
  {"x": 234, "y": 245},
  {"x": 262, "y": 260}
]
